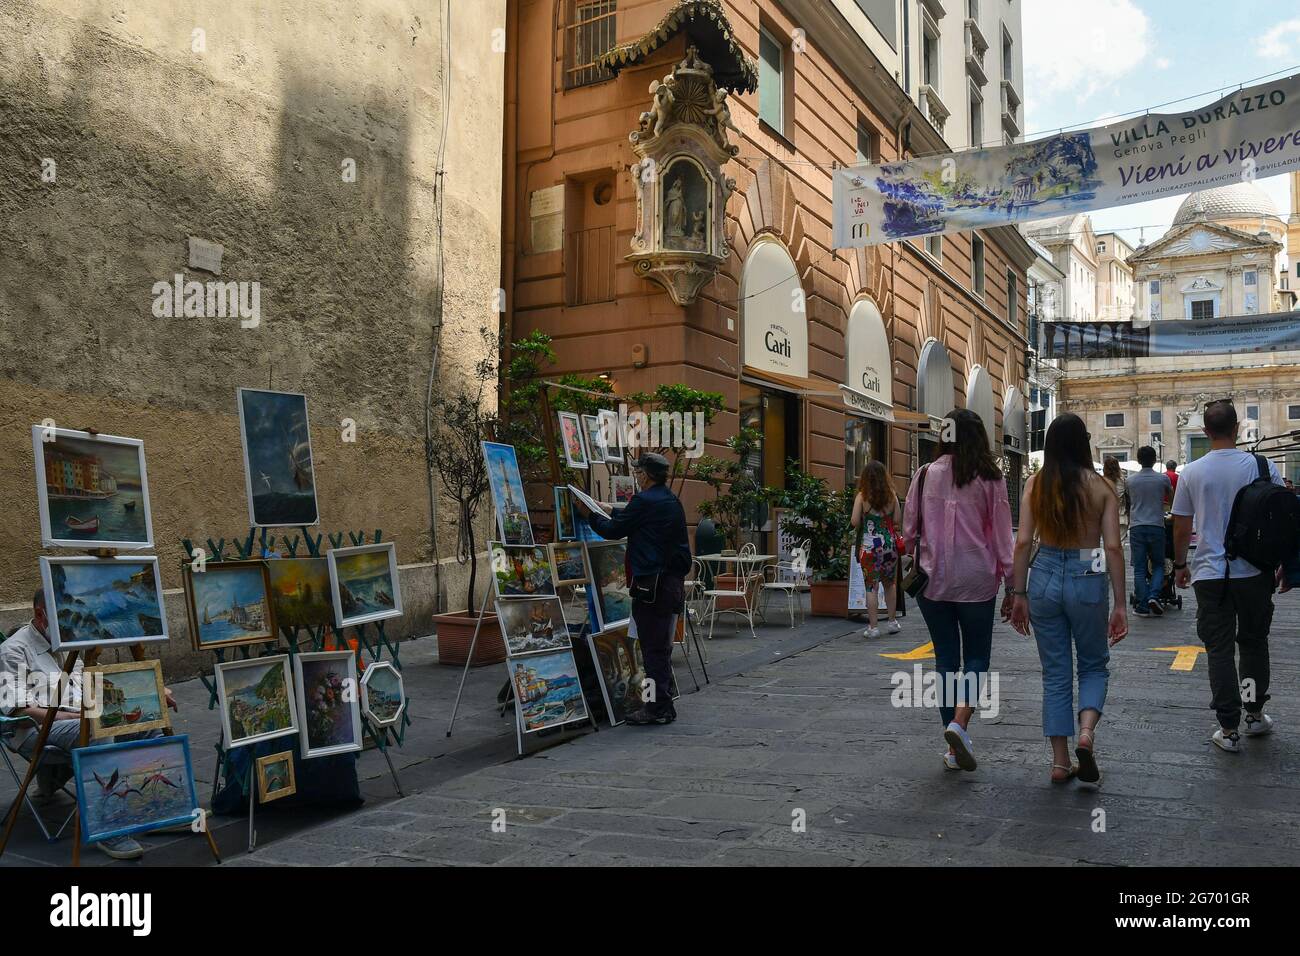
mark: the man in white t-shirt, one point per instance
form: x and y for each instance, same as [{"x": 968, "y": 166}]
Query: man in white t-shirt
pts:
[{"x": 1233, "y": 611}]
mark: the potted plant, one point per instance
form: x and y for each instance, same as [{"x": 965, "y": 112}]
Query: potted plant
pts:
[
  {"x": 457, "y": 458},
  {"x": 823, "y": 518}
]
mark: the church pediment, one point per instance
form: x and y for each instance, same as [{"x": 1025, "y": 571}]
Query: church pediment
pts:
[{"x": 1199, "y": 238}]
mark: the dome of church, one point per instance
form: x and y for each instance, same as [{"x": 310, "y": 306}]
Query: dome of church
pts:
[{"x": 1240, "y": 202}]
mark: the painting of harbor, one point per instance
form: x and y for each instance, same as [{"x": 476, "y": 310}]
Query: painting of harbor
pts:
[
  {"x": 507, "y": 493},
  {"x": 134, "y": 786},
  {"x": 95, "y": 602},
  {"x": 329, "y": 712},
  {"x": 383, "y": 694},
  {"x": 228, "y": 603},
  {"x": 532, "y": 624},
  {"x": 364, "y": 584},
  {"x": 125, "y": 699},
  {"x": 300, "y": 592},
  {"x": 547, "y": 690},
  {"x": 93, "y": 490},
  {"x": 521, "y": 570},
  {"x": 256, "y": 699},
  {"x": 275, "y": 777},
  {"x": 570, "y": 568},
  {"x": 277, "y": 458}
]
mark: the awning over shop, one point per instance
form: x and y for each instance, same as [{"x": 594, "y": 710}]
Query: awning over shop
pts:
[
  {"x": 1013, "y": 422},
  {"x": 934, "y": 380},
  {"x": 774, "y": 321},
  {"x": 979, "y": 399},
  {"x": 790, "y": 383},
  {"x": 868, "y": 378}
]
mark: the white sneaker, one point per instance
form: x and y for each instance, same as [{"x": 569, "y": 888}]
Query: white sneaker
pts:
[
  {"x": 871, "y": 632},
  {"x": 950, "y": 762},
  {"x": 1257, "y": 726},
  {"x": 961, "y": 744},
  {"x": 893, "y": 627},
  {"x": 1231, "y": 742}
]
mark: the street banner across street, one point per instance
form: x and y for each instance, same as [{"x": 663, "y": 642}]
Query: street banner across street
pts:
[
  {"x": 1249, "y": 134},
  {"x": 1225, "y": 335}
]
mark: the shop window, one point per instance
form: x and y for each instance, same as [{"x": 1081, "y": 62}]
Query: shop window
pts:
[
  {"x": 771, "y": 81},
  {"x": 589, "y": 33}
]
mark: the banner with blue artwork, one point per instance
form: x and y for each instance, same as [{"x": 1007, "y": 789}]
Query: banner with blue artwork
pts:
[{"x": 1249, "y": 134}]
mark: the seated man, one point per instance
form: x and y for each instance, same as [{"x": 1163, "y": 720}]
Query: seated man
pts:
[{"x": 28, "y": 652}]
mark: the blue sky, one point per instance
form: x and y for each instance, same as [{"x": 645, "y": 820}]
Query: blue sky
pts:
[{"x": 1088, "y": 63}]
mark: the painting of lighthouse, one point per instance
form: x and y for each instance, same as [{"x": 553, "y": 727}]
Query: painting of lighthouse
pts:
[
  {"x": 507, "y": 493},
  {"x": 278, "y": 471}
]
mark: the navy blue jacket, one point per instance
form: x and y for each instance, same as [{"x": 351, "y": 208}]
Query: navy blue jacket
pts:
[{"x": 654, "y": 524}]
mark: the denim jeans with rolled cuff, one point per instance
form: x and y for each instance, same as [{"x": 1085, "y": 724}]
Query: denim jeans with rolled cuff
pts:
[{"x": 962, "y": 634}]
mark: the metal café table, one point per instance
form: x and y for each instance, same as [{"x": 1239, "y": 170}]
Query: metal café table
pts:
[{"x": 716, "y": 564}]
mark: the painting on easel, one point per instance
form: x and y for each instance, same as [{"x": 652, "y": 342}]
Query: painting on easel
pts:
[
  {"x": 300, "y": 592},
  {"x": 134, "y": 786},
  {"x": 548, "y": 690},
  {"x": 364, "y": 584},
  {"x": 507, "y": 493},
  {"x": 100, "y": 602},
  {"x": 278, "y": 471},
  {"x": 128, "y": 698},
  {"x": 229, "y": 603},
  {"x": 93, "y": 490}
]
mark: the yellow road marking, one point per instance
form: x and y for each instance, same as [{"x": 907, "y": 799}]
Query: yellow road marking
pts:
[
  {"x": 924, "y": 652},
  {"x": 1184, "y": 656}
]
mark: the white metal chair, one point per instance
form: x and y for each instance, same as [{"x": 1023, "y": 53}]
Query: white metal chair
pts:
[
  {"x": 748, "y": 578},
  {"x": 788, "y": 578},
  {"x": 695, "y": 600}
]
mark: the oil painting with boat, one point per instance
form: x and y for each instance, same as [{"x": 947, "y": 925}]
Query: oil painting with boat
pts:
[
  {"x": 532, "y": 624},
  {"x": 548, "y": 690},
  {"x": 256, "y": 699},
  {"x": 126, "y": 698},
  {"x": 229, "y": 603},
  {"x": 364, "y": 584},
  {"x": 278, "y": 468},
  {"x": 93, "y": 489}
]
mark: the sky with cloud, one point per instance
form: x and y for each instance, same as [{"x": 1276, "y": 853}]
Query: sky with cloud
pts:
[{"x": 1087, "y": 64}]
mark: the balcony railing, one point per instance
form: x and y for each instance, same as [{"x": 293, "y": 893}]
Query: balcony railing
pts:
[
  {"x": 932, "y": 107},
  {"x": 1094, "y": 340},
  {"x": 976, "y": 47},
  {"x": 589, "y": 266},
  {"x": 1010, "y": 108}
]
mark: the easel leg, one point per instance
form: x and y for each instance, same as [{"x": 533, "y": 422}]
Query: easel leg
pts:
[
  {"x": 252, "y": 803},
  {"x": 391, "y": 769},
  {"x": 83, "y": 739},
  {"x": 699, "y": 651},
  {"x": 37, "y": 753},
  {"x": 469, "y": 659}
]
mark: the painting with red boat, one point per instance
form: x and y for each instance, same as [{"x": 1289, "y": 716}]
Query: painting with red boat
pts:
[
  {"x": 93, "y": 489},
  {"x": 125, "y": 698}
]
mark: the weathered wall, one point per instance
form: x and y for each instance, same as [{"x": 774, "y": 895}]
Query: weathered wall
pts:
[{"x": 240, "y": 143}]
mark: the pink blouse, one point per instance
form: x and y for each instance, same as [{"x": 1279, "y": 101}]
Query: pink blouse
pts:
[{"x": 966, "y": 546}]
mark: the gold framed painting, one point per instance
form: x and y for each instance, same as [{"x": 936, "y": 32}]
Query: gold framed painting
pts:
[
  {"x": 229, "y": 603},
  {"x": 275, "y": 777},
  {"x": 125, "y": 699}
]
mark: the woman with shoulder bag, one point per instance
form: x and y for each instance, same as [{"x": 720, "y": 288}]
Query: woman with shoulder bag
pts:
[
  {"x": 875, "y": 518},
  {"x": 957, "y": 525}
]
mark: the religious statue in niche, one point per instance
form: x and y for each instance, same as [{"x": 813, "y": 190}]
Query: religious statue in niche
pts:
[{"x": 681, "y": 143}]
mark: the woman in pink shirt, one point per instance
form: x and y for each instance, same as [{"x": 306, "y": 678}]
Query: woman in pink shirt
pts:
[{"x": 958, "y": 506}]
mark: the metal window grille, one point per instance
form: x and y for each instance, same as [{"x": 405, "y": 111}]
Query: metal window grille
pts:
[{"x": 590, "y": 32}]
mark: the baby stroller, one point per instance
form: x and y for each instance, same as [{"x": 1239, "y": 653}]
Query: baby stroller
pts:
[{"x": 1168, "y": 596}]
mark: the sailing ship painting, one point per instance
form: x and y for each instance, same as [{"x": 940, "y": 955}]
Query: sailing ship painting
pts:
[
  {"x": 92, "y": 488},
  {"x": 95, "y": 602},
  {"x": 507, "y": 493},
  {"x": 547, "y": 689},
  {"x": 277, "y": 458},
  {"x": 126, "y": 698},
  {"x": 533, "y": 624},
  {"x": 364, "y": 584},
  {"x": 229, "y": 602},
  {"x": 134, "y": 786}
]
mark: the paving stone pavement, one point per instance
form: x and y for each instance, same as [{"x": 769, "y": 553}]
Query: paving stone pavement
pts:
[{"x": 813, "y": 738}]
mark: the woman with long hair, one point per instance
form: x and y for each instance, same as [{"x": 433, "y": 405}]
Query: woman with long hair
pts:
[
  {"x": 1071, "y": 509},
  {"x": 958, "y": 508},
  {"x": 1114, "y": 475},
  {"x": 876, "y": 513}
]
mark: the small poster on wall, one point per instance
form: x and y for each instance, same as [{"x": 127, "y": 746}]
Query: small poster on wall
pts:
[{"x": 858, "y": 589}]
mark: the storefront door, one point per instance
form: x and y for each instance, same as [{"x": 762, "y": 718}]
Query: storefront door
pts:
[{"x": 775, "y": 415}]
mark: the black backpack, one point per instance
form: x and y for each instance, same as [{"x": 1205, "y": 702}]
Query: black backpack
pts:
[{"x": 1264, "y": 525}]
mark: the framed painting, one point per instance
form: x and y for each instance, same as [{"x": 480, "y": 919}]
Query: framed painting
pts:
[
  {"x": 613, "y": 599},
  {"x": 300, "y": 592},
  {"x": 507, "y": 488},
  {"x": 521, "y": 570},
  {"x": 573, "y": 440},
  {"x": 565, "y": 526},
  {"x": 622, "y": 489},
  {"x": 256, "y": 700},
  {"x": 567, "y": 560},
  {"x": 133, "y": 786},
  {"x": 612, "y": 435},
  {"x": 530, "y": 625},
  {"x": 547, "y": 690},
  {"x": 621, "y": 668},
  {"x": 596, "y": 448},
  {"x": 101, "y": 602},
  {"x": 93, "y": 490},
  {"x": 229, "y": 603},
  {"x": 275, "y": 777},
  {"x": 383, "y": 694},
  {"x": 278, "y": 472},
  {"x": 364, "y": 584},
  {"x": 125, "y": 699},
  {"x": 329, "y": 713}
]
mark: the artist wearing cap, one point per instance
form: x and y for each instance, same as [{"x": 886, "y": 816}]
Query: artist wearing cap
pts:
[{"x": 658, "y": 557}]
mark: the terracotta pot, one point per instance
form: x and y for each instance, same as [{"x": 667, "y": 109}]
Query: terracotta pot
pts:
[
  {"x": 829, "y": 598},
  {"x": 455, "y": 633}
]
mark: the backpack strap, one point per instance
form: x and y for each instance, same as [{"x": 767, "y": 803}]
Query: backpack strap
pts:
[{"x": 1262, "y": 464}]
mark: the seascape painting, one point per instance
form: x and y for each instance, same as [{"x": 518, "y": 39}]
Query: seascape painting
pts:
[
  {"x": 300, "y": 592},
  {"x": 364, "y": 584},
  {"x": 125, "y": 699},
  {"x": 507, "y": 493},
  {"x": 521, "y": 570},
  {"x": 573, "y": 440},
  {"x": 328, "y": 709},
  {"x": 134, "y": 786},
  {"x": 256, "y": 700},
  {"x": 275, "y": 777},
  {"x": 547, "y": 690},
  {"x": 92, "y": 489},
  {"x": 98, "y": 602},
  {"x": 613, "y": 599},
  {"x": 569, "y": 565},
  {"x": 532, "y": 624},
  {"x": 383, "y": 695},
  {"x": 278, "y": 469},
  {"x": 229, "y": 603}
]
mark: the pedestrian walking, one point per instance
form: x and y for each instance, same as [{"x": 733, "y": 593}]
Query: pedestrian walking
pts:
[
  {"x": 1148, "y": 491},
  {"x": 876, "y": 519},
  {"x": 1071, "y": 510},
  {"x": 1234, "y": 598},
  {"x": 957, "y": 525},
  {"x": 1114, "y": 476},
  {"x": 1171, "y": 472}
]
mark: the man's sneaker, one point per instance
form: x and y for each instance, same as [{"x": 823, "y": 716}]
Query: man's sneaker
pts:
[
  {"x": 121, "y": 848},
  {"x": 645, "y": 717},
  {"x": 893, "y": 627},
  {"x": 1141, "y": 611},
  {"x": 871, "y": 632},
  {"x": 1258, "y": 724},
  {"x": 1228, "y": 740},
  {"x": 1156, "y": 607},
  {"x": 961, "y": 744},
  {"x": 950, "y": 762}
]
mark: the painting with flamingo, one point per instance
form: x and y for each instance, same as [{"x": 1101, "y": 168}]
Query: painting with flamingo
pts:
[{"x": 134, "y": 786}]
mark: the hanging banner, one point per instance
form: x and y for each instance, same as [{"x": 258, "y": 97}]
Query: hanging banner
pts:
[
  {"x": 1249, "y": 134},
  {"x": 1274, "y": 332}
]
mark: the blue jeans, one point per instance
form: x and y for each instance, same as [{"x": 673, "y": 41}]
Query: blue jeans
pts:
[
  {"x": 1147, "y": 542},
  {"x": 1069, "y": 607},
  {"x": 959, "y": 629}
]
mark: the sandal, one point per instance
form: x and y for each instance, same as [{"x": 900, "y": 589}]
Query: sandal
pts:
[
  {"x": 1070, "y": 773},
  {"x": 1088, "y": 770}
]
